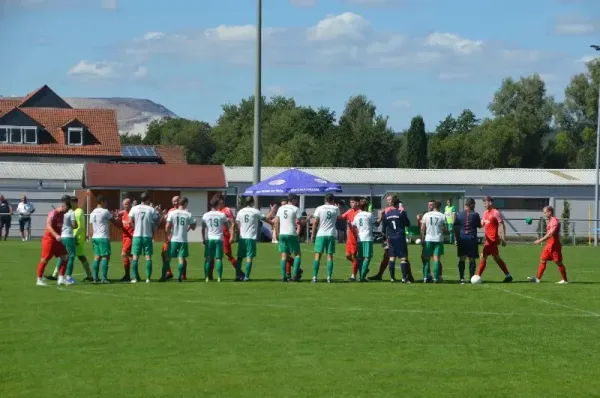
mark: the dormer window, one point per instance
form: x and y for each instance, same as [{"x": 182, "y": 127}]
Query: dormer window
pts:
[
  {"x": 18, "y": 135},
  {"x": 75, "y": 136}
]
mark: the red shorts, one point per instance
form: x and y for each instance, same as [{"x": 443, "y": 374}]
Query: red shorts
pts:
[
  {"x": 126, "y": 245},
  {"x": 52, "y": 248},
  {"x": 490, "y": 249},
  {"x": 552, "y": 253},
  {"x": 351, "y": 248}
]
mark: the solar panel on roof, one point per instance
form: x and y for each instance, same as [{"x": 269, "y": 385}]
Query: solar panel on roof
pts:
[{"x": 139, "y": 151}]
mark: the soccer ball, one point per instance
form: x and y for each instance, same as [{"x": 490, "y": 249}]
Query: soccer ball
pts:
[
  {"x": 407, "y": 240},
  {"x": 418, "y": 242},
  {"x": 476, "y": 280}
]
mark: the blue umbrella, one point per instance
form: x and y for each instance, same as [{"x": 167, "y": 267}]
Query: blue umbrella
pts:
[{"x": 292, "y": 181}]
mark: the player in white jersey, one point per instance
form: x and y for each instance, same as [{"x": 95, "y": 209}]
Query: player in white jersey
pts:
[
  {"x": 364, "y": 223},
  {"x": 68, "y": 240},
  {"x": 249, "y": 221},
  {"x": 324, "y": 234},
  {"x": 433, "y": 228},
  {"x": 179, "y": 222},
  {"x": 144, "y": 220},
  {"x": 212, "y": 237},
  {"x": 284, "y": 231},
  {"x": 99, "y": 219}
]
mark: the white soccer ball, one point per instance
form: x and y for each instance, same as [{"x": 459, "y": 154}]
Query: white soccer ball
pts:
[
  {"x": 418, "y": 242},
  {"x": 476, "y": 280},
  {"x": 407, "y": 240}
]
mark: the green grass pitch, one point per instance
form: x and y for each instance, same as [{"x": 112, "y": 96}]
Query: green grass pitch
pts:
[{"x": 268, "y": 339}]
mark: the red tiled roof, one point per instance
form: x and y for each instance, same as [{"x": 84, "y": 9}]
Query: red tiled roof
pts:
[
  {"x": 171, "y": 154},
  {"x": 154, "y": 176},
  {"x": 102, "y": 124},
  {"x": 6, "y": 104}
]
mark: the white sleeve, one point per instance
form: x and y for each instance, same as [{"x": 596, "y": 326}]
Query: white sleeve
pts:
[
  {"x": 279, "y": 211},
  {"x": 170, "y": 217},
  {"x": 298, "y": 214}
]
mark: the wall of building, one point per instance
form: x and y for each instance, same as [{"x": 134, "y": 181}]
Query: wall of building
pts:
[
  {"x": 42, "y": 200},
  {"x": 198, "y": 205}
]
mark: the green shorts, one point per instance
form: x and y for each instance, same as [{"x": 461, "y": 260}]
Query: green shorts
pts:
[
  {"x": 246, "y": 248},
  {"x": 325, "y": 244},
  {"x": 289, "y": 244},
  {"x": 365, "y": 250},
  {"x": 213, "y": 248},
  {"x": 178, "y": 250},
  {"x": 80, "y": 247},
  {"x": 101, "y": 247},
  {"x": 142, "y": 245},
  {"x": 433, "y": 249},
  {"x": 69, "y": 244}
]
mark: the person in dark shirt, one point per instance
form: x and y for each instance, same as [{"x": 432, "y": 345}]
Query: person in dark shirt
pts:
[
  {"x": 395, "y": 222},
  {"x": 5, "y": 217},
  {"x": 467, "y": 246}
]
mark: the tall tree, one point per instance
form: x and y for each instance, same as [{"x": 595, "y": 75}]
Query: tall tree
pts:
[
  {"x": 415, "y": 151},
  {"x": 529, "y": 109}
]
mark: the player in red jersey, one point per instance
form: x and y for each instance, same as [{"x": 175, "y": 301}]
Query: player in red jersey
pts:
[
  {"x": 122, "y": 220},
  {"x": 386, "y": 253},
  {"x": 553, "y": 249},
  {"x": 494, "y": 236},
  {"x": 226, "y": 240},
  {"x": 351, "y": 245},
  {"x": 164, "y": 253},
  {"x": 51, "y": 244}
]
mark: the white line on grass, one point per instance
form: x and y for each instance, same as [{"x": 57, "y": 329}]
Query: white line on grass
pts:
[
  {"x": 589, "y": 313},
  {"x": 337, "y": 309}
]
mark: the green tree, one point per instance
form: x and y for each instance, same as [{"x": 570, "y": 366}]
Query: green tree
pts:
[
  {"x": 529, "y": 111},
  {"x": 192, "y": 135},
  {"x": 131, "y": 139},
  {"x": 415, "y": 150}
]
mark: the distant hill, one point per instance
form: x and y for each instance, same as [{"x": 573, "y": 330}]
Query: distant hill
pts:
[{"x": 133, "y": 114}]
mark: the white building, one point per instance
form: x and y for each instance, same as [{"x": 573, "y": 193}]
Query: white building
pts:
[{"x": 518, "y": 193}]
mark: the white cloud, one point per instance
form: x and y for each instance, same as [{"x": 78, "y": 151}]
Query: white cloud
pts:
[
  {"x": 105, "y": 4},
  {"x": 575, "y": 25},
  {"x": 304, "y": 3},
  {"x": 454, "y": 42},
  {"x": 154, "y": 35},
  {"x": 274, "y": 90},
  {"x": 374, "y": 3},
  {"x": 140, "y": 73},
  {"x": 453, "y": 76},
  {"x": 110, "y": 4},
  {"x": 93, "y": 69},
  {"x": 401, "y": 103},
  {"x": 586, "y": 58},
  {"x": 343, "y": 26},
  {"x": 337, "y": 41}
]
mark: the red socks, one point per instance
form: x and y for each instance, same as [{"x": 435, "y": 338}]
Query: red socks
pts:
[
  {"x": 541, "y": 269},
  {"x": 40, "y": 269},
  {"x": 232, "y": 261},
  {"x": 503, "y": 267},
  {"x": 354, "y": 266},
  {"x": 289, "y": 264},
  {"x": 563, "y": 272},
  {"x": 481, "y": 268}
]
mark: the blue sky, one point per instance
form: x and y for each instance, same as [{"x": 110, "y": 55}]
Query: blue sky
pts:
[{"x": 428, "y": 57}]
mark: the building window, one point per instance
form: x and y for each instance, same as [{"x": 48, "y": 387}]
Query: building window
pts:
[
  {"x": 18, "y": 135},
  {"x": 29, "y": 135},
  {"x": 75, "y": 136},
  {"x": 521, "y": 203}
]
